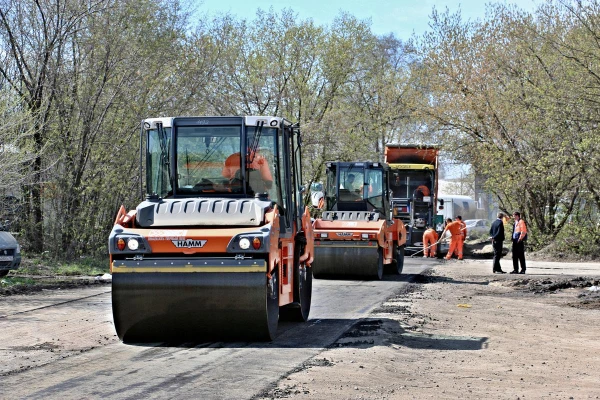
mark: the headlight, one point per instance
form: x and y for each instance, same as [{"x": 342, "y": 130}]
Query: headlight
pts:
[
  {"x": 133, "y": 244},
  {"x": 244, "y": 243},
  {"x": 18, "y": 250},
  {"x": 129, "y": 244}
]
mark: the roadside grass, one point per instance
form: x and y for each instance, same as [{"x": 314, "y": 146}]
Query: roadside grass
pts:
[
  {"x": 40, "y": 272},
  {"x": 15, "y": 280},
  {"x": 85, "y": 266},
  {"x": 42, "y": 265}
]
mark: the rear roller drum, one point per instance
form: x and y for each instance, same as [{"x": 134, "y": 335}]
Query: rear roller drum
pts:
[
  {"x": 379, "y": 271},
  {"x": 272, "y": 306},
  {"x": 397, "y": 264},
  {"x": 399, "y": 259},
  {"x": 299, "y": 310}
]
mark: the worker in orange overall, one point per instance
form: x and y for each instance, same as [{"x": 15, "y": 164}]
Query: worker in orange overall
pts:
[
  {"x": 463, "y": 236},
  {"x": 454, "y": 228},
  {"x": 430, "y": 238},
  {"x": 421, "y": 191}
]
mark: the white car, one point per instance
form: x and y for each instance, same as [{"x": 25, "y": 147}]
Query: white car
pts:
[{"x": 478, "y": 227}]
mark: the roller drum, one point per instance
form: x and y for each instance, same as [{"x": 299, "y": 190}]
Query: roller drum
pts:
[
  {"x": 165, "y": 306},
  {"x": 351, "y": 261}
]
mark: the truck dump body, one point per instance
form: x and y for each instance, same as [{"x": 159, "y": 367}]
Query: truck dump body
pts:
[
  {"x": 217, "y": 251},
  {"x": 409, "y": 154},
  {"x": 414, "y": 188}
]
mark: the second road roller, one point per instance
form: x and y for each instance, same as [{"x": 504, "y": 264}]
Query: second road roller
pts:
[
  {"x": 356, "y": 235},
  {"x": 222, "y": 244}
]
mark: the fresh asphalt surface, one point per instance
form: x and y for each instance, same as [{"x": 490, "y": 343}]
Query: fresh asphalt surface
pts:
[{"x": 63, "y": 345}]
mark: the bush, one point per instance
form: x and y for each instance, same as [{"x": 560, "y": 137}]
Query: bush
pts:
[{"x": 577, "y": 239}]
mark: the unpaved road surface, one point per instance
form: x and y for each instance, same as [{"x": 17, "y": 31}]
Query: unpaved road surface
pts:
[
  {"x": 464, "y": 333},
  {"x": 62, "y": 344}
]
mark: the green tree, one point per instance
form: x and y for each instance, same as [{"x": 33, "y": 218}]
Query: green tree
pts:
[{"x": 496, "y": 89}]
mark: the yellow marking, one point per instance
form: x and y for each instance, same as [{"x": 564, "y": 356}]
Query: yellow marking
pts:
[
  {"x": 325, "y": 246},
  {"x": 257, "y": 268},
  {"x": 411, "y": 166}
]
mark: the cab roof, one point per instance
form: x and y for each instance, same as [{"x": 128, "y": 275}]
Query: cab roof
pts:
[{"x": 168, "y": 122}]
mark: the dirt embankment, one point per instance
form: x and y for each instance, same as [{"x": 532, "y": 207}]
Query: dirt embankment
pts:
[{"x": 463, "y": 332}]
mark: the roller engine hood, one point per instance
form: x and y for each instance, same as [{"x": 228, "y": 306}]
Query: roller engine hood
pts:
[{"x": 202, "y": 212}]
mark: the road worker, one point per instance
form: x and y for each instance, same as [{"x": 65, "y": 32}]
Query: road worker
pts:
[
  {"x": 422, "y": 191},
  {"x": 430, "y": 238},
  {"x": 352, "y": 183},
  {"x": 454, "y": 228},
  {"x": 463, "y": 236},
  {"x": 519, "y": 237}
]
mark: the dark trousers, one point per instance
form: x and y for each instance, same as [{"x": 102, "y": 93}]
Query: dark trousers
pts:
[
  {"x": 497, "y": 245},
  {"x": 518, "y": 255}
]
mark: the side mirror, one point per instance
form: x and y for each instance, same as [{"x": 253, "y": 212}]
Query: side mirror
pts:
[{"x": 302, "y": 189}]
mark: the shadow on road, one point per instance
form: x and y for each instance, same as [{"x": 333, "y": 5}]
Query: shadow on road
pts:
[
  {"x": 426, "y": 279},
  {"x": 356, "y": 333},
  {"x": 385, "y": 331}
]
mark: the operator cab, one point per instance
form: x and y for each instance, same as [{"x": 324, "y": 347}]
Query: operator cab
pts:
[
  {"x": 224, "y": 157},
  {"x": 357, "y": 186}
]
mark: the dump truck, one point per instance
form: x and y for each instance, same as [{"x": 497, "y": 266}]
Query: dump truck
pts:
[
  {"x": 356, "y": 235},
  {"x": 414, "y": 185},
  {"x": 222, "y": 244}
]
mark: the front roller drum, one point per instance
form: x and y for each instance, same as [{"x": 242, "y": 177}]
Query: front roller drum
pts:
[
  {"x": 192, "y": 306},
  {"x": 352, "y": 261}
]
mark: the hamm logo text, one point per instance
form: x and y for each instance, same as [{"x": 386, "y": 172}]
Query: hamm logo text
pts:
[{"x": 188, "y": 243}]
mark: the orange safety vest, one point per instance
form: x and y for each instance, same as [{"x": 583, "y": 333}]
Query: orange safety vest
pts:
[{"x": 520, "y": 231}]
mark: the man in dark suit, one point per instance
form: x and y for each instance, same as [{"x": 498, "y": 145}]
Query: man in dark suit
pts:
[{"x": 497, "y": 237}]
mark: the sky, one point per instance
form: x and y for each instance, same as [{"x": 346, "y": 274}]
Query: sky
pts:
[{"x": 401, "y": 17}]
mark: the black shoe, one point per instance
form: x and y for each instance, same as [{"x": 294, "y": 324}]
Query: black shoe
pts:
[
  {"x": 513, "y": 272},
  {"x": 522, "y": 271},
  {"x": 499, "y": 272}
]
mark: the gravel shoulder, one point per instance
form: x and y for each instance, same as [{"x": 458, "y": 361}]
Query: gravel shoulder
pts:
[{"x": 462, "y": 332}]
